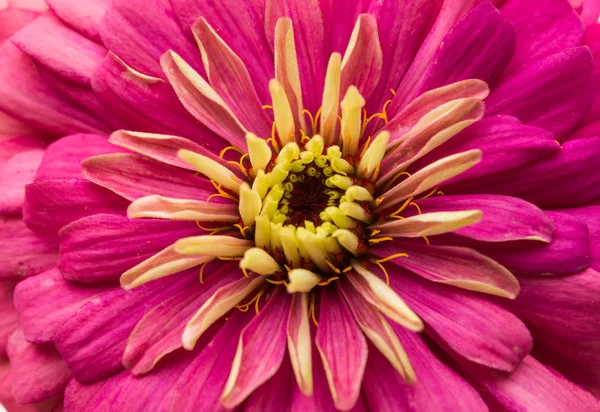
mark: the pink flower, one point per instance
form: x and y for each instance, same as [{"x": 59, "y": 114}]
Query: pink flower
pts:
[{"x": 303, "y": 205}]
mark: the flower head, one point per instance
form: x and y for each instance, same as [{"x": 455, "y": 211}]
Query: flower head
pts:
[{"x": 309, "y": 206}]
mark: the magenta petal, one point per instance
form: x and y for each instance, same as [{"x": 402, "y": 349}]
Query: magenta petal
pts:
[
  {"x": 309, "y": 26},
  {"x": 449, "y": 13},
  {"x": 200, "y": 385},
  {"x": 553, "y": 93},
  {"x": 159, "y": 331},
  {"x": 241, "y": 25},
  {"x": 504, "y": 218},
  {"x": 9, "y": 318},
  {"x": 100, "y": 248},
  {"x": 437, "y": 387},
  {"x": 479, "y": 46},
  {"x": 146, "y": 103},
  {"x": 261, "y": 349},
  {"x": 24, "y": 253},
  {"x": 506, "y": 144},
  {"x": 342, "y": 347},
  {"x": 38, "y": 371},
  {"x": 133, "y": 176},
  {"x": 63, "y": 158},
  {"x": 276, "y": 393},
  {"x": 532, "y": 386},
  {"x": 569, "y": 251},
  {"x": 139, "y": 32},
  {"x": 407, "y": 22},
  {"x": 12, "y": 19},
  {"x": 62, "y": 51},
  {"x": 472, "y": 326},
  {"x": 590, "y": 215},
  {"x": 51, "y": 204},
  {"x": 18, "y": 171},
  {"x": 27, "y": 97},
  {"x": 85, "y": 16},
  {"x": 46, "y": 301},
  {"x": 93, "y": 340},
  {"x": 563, "y": 313},
  {"x": 543, "y": 27}
]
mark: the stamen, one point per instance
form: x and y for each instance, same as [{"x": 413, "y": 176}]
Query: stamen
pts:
[
  {"x": 302, "y": 280},
  {"x": 259, "y": 261},
  {"x": 387, "y": 277},
  {"x": 259, "y": 152},
  {"x": 284, "y": 118},
  {"x": 373, "y": 155},
  {"x": 351, "y": 105},
  {"x": 250, "y": 205},
  {"x": 331, "y": 98}
]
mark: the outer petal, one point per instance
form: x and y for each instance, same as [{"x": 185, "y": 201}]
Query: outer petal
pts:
[
  {"x": 147, "y": 103},
  {"x": 133, "y": 176},
  {"x": 38, "y": 371},
  {"x": 46, "y": 301},
  {"x": 159, "y": 331},
  {"x": 479, "y": 46},
  {"x": 85, "y": 17},
  {"x": 139, "y": 32},
  {"x": 471, "y": 326},
  {"x": 504, "y": 218},
  {"x": 554, "y": 93},
  {"x": 16, "y": 173},
  {"x": 457, "y": 266},
  {"x": 24, "y": 253},
  {"x": 97, "y": 334},
  {"x": 543, "y": 28},
  {"x": 260, "y": 351},
  {"x": 242, "y": 27},
  {"x": 100, "y": 248},
  {"x": 27, "y": 97},
  {"x": 437, "y": 386},
  {"x": 51, "y": 204},
  {"x": 342, "y": 347},
  {"x": 532, "y": 386},
  {"x": 201, "y": 383}
]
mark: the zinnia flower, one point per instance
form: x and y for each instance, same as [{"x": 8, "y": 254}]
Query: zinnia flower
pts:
[{"x": 303, "y": 205}]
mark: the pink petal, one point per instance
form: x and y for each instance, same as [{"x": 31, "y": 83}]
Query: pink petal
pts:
[
  {"x": 362, "y": 64},
  {"x": 479, "y": 46},
  {"x": 133, "y": 176},
  {"x": 569, "y": 251},
  {"x": 450, "y": 12},
  {"x": 46, "y": 301},
  {"x": 437, "y": 386},
  {"x": 160, "y": 207},
  {"x": 146, "y": 103},
  {"x": 472, "y": 326},
  {"x": 407, "y": 22},
  {"x": 589, "y": 215},
  {"x": 428, "y": 224},
  {"x": 260, "y": 351},
  {"x": 202, "y": 382},
  {"x": 27, "y": 97},
  {"x": 163, "y": 148},
  {"x": 139, "y": 32},
  {"x": 532, "y": 386},
  {"x": 93, "y": 340},
  {"x": 276, "y": 392},
  {"x": 504, "y": 218},
  {"x": 229, "y": 77},
  {"x": 16, "y": 138},
  {"x": 554, "y": 28},
  {"x": 308, "y": 25},
  {"x": 59, "y": 49},
  {"x": 63, "y": 158},
  {"x": 554, "y": 93},
  {"x": 342, "y": 347},
  {"x": 506, "y": 145},
  {"x": 12, "y": 20},
  {"x": 85, "y": 16},
  {"x": 100, "y": 248},
  {"x": 457, "y": 266},
  {"x": 24, "y": 253},
  {"x": 300, "y": 343},
  {"x": 17, "y": 172},
  {"x": 52, "y": 204},
  {"x": 375, "y": 327},
  {"x": 242, "y": 27},
  {"x": 9, "y": 318},
  {"x": 201, "y": 100},
  {"x": 39, "y": 372},
  {"x": 339, "y": 19},
  {"x": 159, "y": 331}
]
